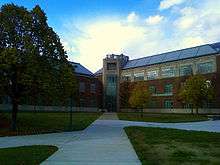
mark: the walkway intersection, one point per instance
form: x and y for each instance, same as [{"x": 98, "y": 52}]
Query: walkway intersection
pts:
[{"x": 103, "y": 142}]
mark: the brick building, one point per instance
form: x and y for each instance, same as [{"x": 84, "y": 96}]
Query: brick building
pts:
[
  {"x": 90, "y": 88},
  {"x": 89, "y": 92},
  {"x": 163, "y": 75}
]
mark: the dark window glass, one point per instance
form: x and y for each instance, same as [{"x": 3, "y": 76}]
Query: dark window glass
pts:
[
  {"x": 111, "y": 66},
  {"x": 168, "y": 88},
  {"x": 92, "y": 88},
  {"x": 168, "y": 104},
  {"x": 152, "y": 89},
  {"x": 111, "y": 85},
  {"x": 82, "y": 87},
  {"x": 152, "y": 74},
  {"x": 168, "y": 72},
  {"x": 206, "y": 67},
  {"x": 139, "y": 76},
  {"x": 126, "y": 78},
  {"x": 186, "y": 70}
]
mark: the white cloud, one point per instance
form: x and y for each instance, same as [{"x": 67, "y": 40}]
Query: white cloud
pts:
[
  {"x": 132, "y": 17},
  {"x": 166, "y": 4},
  {"x": 187, "y": 28},
  {"x": 153, "y": 20},
  {"x": 107, "y": 38}
]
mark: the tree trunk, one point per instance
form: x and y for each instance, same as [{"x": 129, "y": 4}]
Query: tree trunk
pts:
[
  {"x": 14, "y": 114},
  {"x": 197, "y": 110}
]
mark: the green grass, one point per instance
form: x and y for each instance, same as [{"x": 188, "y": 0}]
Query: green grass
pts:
[
  {"x": 171, "y": 146},
  {"x": 26, "y": 155},
  {"x": 35, "y": 123},
  {"x": 164, "y": 118}
]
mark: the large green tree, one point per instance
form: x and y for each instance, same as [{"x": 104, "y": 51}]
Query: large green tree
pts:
[
  {"x": 139, "y": 97},
  {"x": 32, "y": 59},
  {"x": 197, "y": 91}
]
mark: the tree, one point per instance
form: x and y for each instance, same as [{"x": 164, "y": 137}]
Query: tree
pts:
[
  {"x": 32, "y": 58},
  {"x": 124, "y": 94},
  {"x": 139, "y": 97},
  {"x": 197, "y": 91}
]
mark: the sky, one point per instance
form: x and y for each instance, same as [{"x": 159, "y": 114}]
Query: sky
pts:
[{"x": 91, "y": 29}]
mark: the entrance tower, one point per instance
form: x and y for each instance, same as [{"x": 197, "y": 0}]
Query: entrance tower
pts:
[{"x": 112, "y": 66}]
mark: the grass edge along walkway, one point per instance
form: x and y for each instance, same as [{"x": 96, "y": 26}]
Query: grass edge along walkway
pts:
[
  {"x": 30, "y": 123},
  {"x": 26, "y": 155},
  {"x": 161, "y": 118},
  {"x": 172, "y": 146}
]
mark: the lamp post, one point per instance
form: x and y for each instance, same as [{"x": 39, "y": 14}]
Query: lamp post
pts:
[{"x": 71, "y": 112}]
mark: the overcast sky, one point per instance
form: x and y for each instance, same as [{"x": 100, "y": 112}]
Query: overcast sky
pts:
[{"x": 90, "y": 29}]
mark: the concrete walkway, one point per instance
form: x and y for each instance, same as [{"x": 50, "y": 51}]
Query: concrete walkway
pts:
[
  {"x": 103, "y": 142},
  {"x": 99, "y": 144}
]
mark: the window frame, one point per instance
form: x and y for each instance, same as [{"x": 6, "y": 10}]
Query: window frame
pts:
[{"x": 164, "y": 72}]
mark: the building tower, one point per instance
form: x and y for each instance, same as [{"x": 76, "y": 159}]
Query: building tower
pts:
[{"x": 112, "y": 66}]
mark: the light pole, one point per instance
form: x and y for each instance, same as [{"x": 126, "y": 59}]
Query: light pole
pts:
[{"x": 71, "y": 113}]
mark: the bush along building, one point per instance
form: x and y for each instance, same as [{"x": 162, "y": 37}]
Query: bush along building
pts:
[{"x": 162, "y": 74}]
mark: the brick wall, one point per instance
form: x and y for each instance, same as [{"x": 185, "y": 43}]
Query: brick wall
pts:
[
  {"x": 89, "y": 98},
  {"x": 176, "y": 82}
]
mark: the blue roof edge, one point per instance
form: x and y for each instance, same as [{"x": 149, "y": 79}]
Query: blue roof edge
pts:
[{"x": 85, "y": 71}]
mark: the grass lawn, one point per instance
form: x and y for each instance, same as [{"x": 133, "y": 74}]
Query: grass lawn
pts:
[
  {"x": 26, "y": 155},
  {"x": 170, "y": 146},
  {"x": 45, "y": 122},
  {"x": 164, "y": 118}
]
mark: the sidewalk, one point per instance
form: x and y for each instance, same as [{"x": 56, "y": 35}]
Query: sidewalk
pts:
[
  {"x": 103, "y": 142},
  {"x": 99, "y": 144}
]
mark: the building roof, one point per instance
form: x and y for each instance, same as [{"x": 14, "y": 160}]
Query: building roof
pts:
[
  {"x": 192, "y": 52},
  {"x": 198, "y": 51},
  {"x": 98, "y": 72},
  {"x": 79, "y": 69}
]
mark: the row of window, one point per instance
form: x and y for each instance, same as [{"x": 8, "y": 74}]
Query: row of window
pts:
[
  {"x": 168, "y": 89},
  {"x": 82, "y": 87},
  {"x": 185, "y": 70}
]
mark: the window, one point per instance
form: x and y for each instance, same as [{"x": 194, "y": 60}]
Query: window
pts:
[
  {"x": 186, "y": 70},
  {"x": 111, "y": 86},
  {"x": 82, "y": 87},
  {"x": 139, "y": 76},
  {"x": 92, "y": 88},
  {"x": 206, "y": 67},
  {"x": 152, "y": 89},
  {"x": 168, "y": 72},
  {"x": 126, "y": 77},
  {"x": 168, "y": 88},
  {"x": 168, "y": 104},
  {"x": 152, "y": 74},
  {"x": 111, "y": 79},
  {"x": 111, "y": 66}
]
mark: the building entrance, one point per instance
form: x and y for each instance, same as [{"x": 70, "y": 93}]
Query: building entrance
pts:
[{"x": 111, "y": 93}]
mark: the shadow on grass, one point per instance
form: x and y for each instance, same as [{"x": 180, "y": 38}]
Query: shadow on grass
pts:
[{"x": 26, "y": 155}]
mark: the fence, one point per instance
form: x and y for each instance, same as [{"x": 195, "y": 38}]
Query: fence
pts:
[
  {"x": 185, "y": 111},
  {"x": 8, "y": 107}
]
